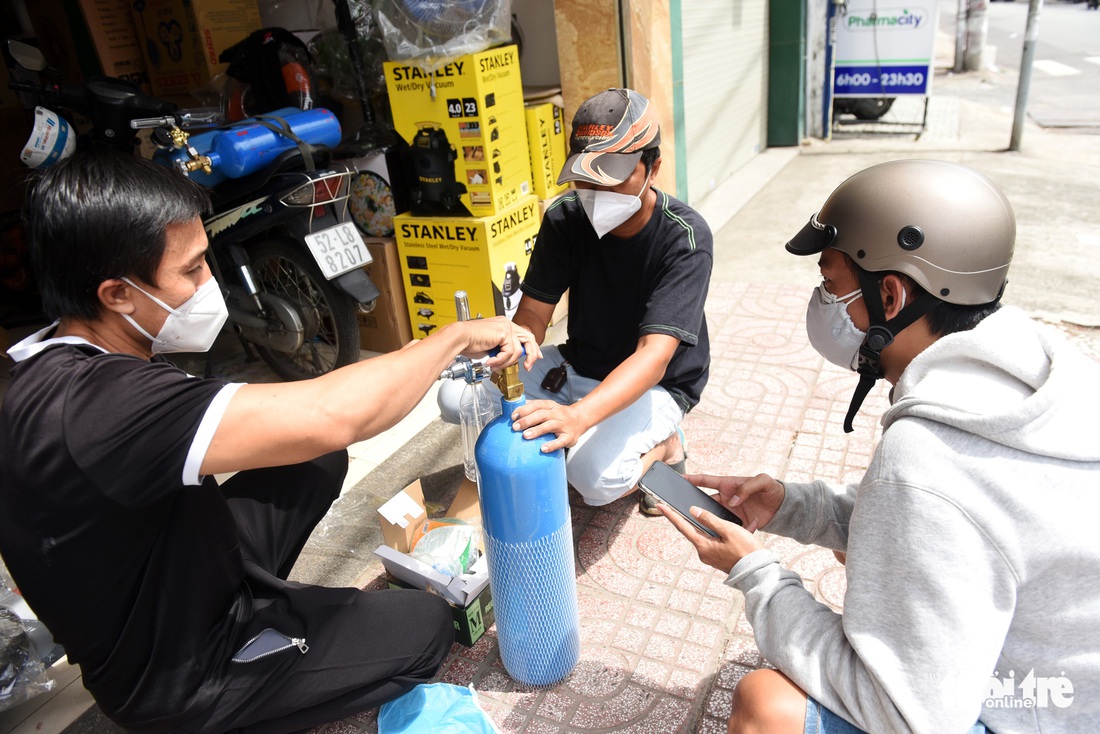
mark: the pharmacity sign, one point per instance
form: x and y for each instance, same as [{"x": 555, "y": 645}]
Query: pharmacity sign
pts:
[{"x": 884, "y": 51}]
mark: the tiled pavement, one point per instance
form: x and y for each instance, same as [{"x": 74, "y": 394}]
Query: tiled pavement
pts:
[{"x": 663, "y": 640}]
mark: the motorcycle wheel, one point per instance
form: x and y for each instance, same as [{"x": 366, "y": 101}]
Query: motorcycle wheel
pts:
[
  {"x": 283, "y": 268},
  {"x": 864, "y": 108}
]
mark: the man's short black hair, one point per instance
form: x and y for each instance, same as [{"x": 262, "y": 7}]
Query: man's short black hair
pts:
[
  {"x": 649, "y": 157},
  {"x": 102, "y": 215},
  {"x": 946, "y": 318}
]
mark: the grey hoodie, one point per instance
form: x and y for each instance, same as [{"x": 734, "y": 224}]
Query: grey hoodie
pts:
[{"x": 973, "y": 549}]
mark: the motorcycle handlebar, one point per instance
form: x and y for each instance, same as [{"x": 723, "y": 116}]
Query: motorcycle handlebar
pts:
[
  {"x": 185, "y": 118},
  {"x": 55, "y": 95}
]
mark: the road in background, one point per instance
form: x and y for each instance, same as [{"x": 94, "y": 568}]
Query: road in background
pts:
[{"x": 1065, "y": 77}]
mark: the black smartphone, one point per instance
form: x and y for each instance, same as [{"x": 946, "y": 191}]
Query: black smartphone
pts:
[{"x": 664, "y": 483}]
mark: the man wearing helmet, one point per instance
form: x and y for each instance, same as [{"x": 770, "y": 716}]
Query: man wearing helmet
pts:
[{"x": 973, "y": 566}]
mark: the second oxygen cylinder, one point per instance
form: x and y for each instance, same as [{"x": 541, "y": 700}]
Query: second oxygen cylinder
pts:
[
  {"x": 248, "y": 146},
  {"x": 529, "y": 547}
]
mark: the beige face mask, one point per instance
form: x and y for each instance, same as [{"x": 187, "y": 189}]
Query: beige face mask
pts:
[{"x": 830, "y": 329}]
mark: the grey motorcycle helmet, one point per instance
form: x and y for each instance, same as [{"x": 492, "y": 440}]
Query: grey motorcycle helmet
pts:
[{"x": 944, "y": 225}]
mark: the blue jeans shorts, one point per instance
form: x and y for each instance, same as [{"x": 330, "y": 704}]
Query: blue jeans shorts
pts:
[{"x": 820, "y": 720}]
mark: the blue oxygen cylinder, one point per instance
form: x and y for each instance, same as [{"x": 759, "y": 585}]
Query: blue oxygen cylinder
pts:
[
  {"x": 248, "y": 146},
  {"x": 529, "y": 546}
]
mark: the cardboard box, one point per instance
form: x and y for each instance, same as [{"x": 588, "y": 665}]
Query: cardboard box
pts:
[
  {"x": 470, "y": 621},
  {"x": 548, "y": 144},
  {"x": 86, "y": 38},
  {"x": 466, "y": 132},
  {"x": 484, "y": 256},
  {"x": 469, "y": 595},
  {"x": 386, "y": 328},
  {"x": 466, "y": 505},
  {"x": 400, "y": 515},
  {"x": 182, "y": 39}
]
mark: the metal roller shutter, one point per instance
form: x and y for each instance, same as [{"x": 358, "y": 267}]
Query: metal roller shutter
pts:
[{"x": 725, "y": 56}]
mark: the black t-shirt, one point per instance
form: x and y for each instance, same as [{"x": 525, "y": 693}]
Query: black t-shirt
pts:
[
  {"x": 136, "y": 574},
  {"x": 620, "y": 289}
]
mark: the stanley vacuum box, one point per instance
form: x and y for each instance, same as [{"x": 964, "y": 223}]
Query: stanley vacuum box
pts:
[
  {"x": 484, "y": 256},
  {"x": 466, "y": 131}
]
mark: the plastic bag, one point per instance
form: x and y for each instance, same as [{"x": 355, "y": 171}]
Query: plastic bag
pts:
[
  {"x": 433, "y": 33},
  {"x": 448, "y": 545},
  {"x": 438, "y": 708},
  {"x": 23, "y": 667}
]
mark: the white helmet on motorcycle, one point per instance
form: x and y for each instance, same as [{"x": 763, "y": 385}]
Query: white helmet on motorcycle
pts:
[{"x": 51, "y": 140}]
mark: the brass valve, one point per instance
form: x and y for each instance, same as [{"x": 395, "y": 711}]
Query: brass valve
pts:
[
  {"x": 197, "y": 162},
  {"x": 507, "y": 381},
  {"x": 179, "y": 137}
]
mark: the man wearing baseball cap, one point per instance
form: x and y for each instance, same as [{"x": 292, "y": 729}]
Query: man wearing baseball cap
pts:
[{"x": 637, "y": 265}]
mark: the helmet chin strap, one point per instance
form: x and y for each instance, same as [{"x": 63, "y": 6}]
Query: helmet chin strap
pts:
[{"x": 880, "y": 334}]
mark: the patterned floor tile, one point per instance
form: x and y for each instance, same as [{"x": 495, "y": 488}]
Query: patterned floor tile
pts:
[{"x": 664, "y": 640}]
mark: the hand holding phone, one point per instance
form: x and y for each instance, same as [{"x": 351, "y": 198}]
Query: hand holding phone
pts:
[{"x": 665, "y": 484}]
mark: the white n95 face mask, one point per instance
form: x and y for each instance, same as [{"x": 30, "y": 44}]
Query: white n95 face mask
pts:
[
  {"x": 607, "y": 210},
  {"x": 830, "y": 329},
  {"x": 191, "y": 327}
]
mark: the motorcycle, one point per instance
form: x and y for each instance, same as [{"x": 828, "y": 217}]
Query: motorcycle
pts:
[
  {"x": 283, "y": 245},
  {"x": 863, "y": 108}
]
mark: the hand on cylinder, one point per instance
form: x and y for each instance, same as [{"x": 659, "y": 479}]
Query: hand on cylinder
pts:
[{"x": 538, "y": 417}]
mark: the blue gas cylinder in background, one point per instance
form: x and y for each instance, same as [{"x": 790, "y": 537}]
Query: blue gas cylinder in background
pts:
[
  {"x": 529, "y": 547},
  {"x": 248, "y": 146}
]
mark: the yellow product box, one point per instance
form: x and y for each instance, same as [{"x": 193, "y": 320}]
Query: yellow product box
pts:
[
  {"x": 466, "y": 131},
  {"x": 484, "y": 256},
  {"x": 548, "y": 144},
  {"x": 182, "y": 39}
]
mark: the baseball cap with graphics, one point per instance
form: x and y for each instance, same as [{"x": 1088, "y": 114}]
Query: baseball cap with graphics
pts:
[{"x": 610, "y": 131}]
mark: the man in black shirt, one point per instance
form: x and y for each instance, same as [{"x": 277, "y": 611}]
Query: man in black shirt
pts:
[
  {"x": 169, "y": 590},
  {"x": 637, "y": 265}
]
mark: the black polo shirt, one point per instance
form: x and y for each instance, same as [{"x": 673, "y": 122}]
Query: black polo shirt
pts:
[
  {"x": 620, "y": 289},
  {"x": 137, "y": 573}
]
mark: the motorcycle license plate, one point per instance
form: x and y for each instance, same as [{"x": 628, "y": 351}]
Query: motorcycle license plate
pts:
[{"x": 338, "y": 249}]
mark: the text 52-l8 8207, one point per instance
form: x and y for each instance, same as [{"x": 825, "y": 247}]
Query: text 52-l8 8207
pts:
[{"x": 338, "y": 249}]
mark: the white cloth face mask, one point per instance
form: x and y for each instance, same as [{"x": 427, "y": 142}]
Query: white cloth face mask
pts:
[
  {"x": 607, "y": 210},
  {"x": 830, "y": 329},
  {"x": 191, "y": 327}
]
